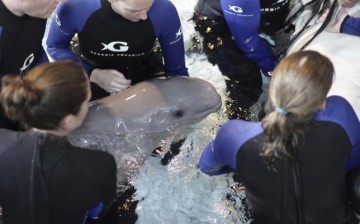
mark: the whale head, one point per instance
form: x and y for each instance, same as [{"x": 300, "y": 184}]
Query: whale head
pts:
[
  {"x": 131, "y": 124},
  {"x": 153, "y": 106}
]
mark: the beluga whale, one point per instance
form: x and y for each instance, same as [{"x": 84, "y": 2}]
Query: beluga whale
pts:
[{"x": 132, "y": 123}]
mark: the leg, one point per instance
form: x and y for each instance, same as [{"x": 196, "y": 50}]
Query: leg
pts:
[{"x": 244, "y": 83}]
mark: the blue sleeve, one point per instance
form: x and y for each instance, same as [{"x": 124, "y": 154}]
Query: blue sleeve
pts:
[
  {"x": 219, "y": 156},
  {"x": 167, "y": 26},
  {"x": 94, "y": 213},
  {"x": 243, "y": 18},
  {"x": 69, "y": 19},
  {"x": 351, "y": 25},
  {"x": 340, "y": 111}
]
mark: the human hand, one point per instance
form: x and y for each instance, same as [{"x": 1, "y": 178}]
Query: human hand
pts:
[
  {"x": 348, "y": 3},
  {"x": 322, "y": 18},
  {"x": 338, "y": 18},
  {"x": 110, "y": 80}
]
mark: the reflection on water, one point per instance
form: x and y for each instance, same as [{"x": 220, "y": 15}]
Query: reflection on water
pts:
[{"x": 179, "y": 193}]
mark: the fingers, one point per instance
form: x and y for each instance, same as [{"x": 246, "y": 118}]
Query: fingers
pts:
[
  {"x": 110, "y": 80},
  {"x": 118, "y": 82},
  {"x": 323, "y": 16}
]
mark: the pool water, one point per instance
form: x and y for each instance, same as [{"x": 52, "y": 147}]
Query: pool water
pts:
[{"x": 173, "y": 190}]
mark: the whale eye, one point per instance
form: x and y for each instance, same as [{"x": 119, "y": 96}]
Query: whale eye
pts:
[{"x": 179, "y": 113}]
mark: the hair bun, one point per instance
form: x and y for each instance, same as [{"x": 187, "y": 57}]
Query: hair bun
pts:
[{"x": 18, "y": 97}]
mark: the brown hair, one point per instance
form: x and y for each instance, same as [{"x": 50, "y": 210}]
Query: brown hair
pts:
[
  {"x": 47, "y": 93},
  {"x": 297, "y": 89}
]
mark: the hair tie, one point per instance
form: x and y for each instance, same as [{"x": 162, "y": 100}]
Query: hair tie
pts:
[{"x": 281, "y": 110}]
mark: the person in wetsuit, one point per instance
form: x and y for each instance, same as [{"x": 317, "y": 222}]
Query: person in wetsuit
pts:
[
  {"x": 230, "y": 31},
  {"x": 116, "y": 41},
  {"x": 44, "y": 179},
  {"x": 22, "y": 27},
  {"x": 293, "y": 164}
]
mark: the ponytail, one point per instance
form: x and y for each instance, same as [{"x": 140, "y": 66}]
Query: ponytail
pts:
[{"x": 297, "y": 89}]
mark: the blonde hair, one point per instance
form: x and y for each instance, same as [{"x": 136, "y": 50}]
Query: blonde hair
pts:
[{"x": 297, "y": 89}]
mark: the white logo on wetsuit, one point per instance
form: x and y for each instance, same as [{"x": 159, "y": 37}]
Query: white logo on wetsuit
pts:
[
  {"x": 27, "y": 63},
  {"x": 58, "y": 22},
  {"x": 235, "y": 9},
  {"x": 279, "y": 1},
  {"x": 111, "y": 46},
  {"x": 178, "y": 36},
  {"x": 275, "y": 6},
  {"x": 179, "y": 33}
]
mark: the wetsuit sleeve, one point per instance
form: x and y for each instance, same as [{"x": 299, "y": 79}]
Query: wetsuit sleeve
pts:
[
  {"x": 243, "y": 18},
  {"x": 351, "y": 25},
  {"x": 167, "y": 26},
  {"x": 340, "y": 111},
  {"x": 219, "y": 156},
  {"x": 69, "y": 19}
]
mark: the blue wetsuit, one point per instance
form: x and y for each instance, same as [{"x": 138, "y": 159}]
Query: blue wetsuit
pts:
[
  {"x": 243, "y": 18},
  {"x": 331, "y": 147},
  {"x": 350, "y": 25},
  {"x": 45, "y": 180},
  {"x": 109, "y": 41},
  {"x": 230, "y": 39},
  {"x": 20, "y": 47}
]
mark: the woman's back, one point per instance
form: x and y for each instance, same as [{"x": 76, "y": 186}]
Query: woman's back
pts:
[
  {"x": 57, "y": 186},
  {"x": 322, "y": 160}
]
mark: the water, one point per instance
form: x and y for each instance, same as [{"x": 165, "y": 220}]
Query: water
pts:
[{"x": 178, "y": 192}]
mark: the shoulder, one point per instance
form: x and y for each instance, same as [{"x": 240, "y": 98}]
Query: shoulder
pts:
[
  {"x": 7, "y": 138},
  {"x": 241, "y": 126},
  {"x": 163, "y": 8},
  {"x": 162, "y": 4},
  {"x": 337, "y": 109},
  {"x": 90, "y": 155},
  {"x": 99, "y": 163},
  {"x": 77, "y": 6}
]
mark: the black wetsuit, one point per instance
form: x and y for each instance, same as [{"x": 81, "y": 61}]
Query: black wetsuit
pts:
[
  {"x": 46, "y": 180},
  {"x": 109, "y": 41},
  {"x": 20, "y": 47},
  {"x": 331, "y": 147}
]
